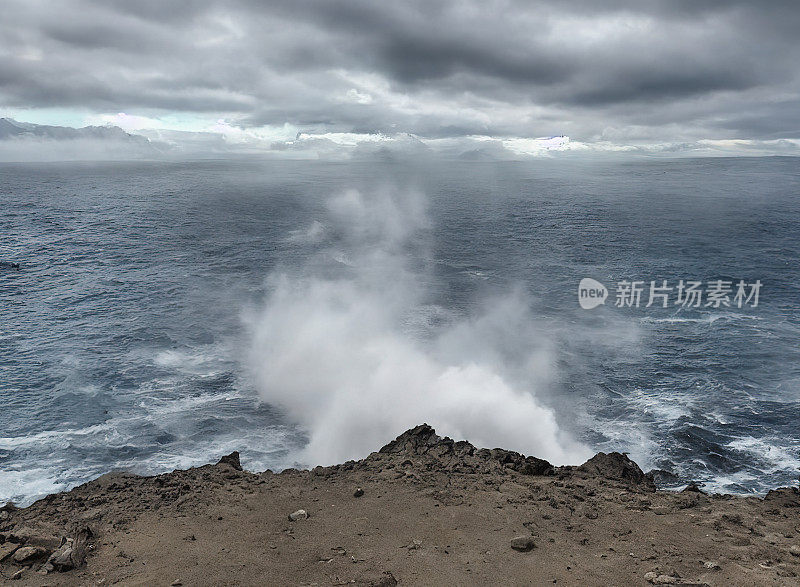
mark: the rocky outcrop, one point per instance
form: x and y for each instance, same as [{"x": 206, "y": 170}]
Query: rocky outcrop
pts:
[
  {"x": 618, "y": 467},
  {"x": 461, "y": 455},
  {"x": 232, "y": 460}
]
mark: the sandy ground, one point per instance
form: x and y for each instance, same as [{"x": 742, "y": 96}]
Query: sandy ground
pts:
[{"x": 432, "y": 512}]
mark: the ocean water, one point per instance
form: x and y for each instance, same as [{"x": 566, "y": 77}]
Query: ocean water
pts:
[{"x": 168, "y": 313}]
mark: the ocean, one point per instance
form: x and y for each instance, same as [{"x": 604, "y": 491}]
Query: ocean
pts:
[{"x": 167, "y": 313}]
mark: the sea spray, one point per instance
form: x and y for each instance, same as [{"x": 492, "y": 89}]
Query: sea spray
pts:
[{"x": 332, "y": 348}]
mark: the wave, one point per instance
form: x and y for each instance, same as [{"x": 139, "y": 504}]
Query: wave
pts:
[{"x": 331, "y": 347}]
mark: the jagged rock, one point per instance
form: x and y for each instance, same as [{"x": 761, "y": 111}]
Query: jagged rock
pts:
[
  {"x": 662, "y": 477},
  {"x": 298, "y": 515},
  {"x": 418, "y": 440},
  {"x": 61, "y": 559},
  {"x": 693, "y": 488},
  {"x": 523, "y": 543},
  {"x": 72, "y": 553},
  {"x": 521, "y": 463},
  {"x": 28, "y": 554},
  {"x": 232, "y": 460},
  {"x": 617, "y": 466},
  {"x": 462, "y": 456}
]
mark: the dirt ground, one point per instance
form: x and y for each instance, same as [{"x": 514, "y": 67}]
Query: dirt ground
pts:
[{"x": 422, "y": 511}]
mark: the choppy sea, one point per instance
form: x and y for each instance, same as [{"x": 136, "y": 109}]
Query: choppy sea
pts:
[{"x": 129, "y": 335}]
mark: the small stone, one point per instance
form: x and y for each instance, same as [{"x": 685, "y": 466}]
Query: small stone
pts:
[
  {"x": 711, "y": 566},
  {"x": 176, "y": 583},
  {"x": 794, "y": 550},
  {"x": 298, "y": 515},
  {"x": 4, "y": 516},
  {"x": 358, "y": 492},
  {"x": 657, "y": 579},
  {"x": 523, "y": 543},
  {"x": 28, "y": 554},
  {"x": 414, "y": 545},
  {"x": 18, "y": 574}
]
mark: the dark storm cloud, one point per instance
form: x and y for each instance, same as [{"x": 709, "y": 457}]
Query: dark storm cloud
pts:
[{"x": 674, "y": 69}]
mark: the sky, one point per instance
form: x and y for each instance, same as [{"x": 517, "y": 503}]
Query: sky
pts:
[{"x": 615, "y": 76}]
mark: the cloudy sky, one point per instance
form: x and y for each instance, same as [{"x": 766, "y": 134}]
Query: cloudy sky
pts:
[{"x": 653, "y": 74}]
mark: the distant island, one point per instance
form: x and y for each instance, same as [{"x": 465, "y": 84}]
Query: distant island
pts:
[{"x": 24, "y": 141}]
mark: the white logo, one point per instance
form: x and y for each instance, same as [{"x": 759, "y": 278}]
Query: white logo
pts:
[{"x": 591, "y": 293}]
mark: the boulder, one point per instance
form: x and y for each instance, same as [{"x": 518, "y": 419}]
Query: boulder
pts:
[
  {"x": 72, "y": 552},
  {"x": 232, "y": 460},
  {"x": 693, "y": 488},
  {"x": 461, "y": 455},
  {"x": 619, "y": 467}
]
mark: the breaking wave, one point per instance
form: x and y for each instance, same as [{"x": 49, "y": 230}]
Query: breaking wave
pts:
[{"x": 349, "y": 352}]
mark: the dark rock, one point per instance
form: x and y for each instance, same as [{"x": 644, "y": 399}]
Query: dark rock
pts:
[
  {"x": 617, "y": 466},
  {"x": 232, "y": 460},
  {"x": 663, "y": 478},
  {"x": 694, "y": 488},
  {"x": 358, "y": 492},
  {"x": 418, "y": 440},
  {"x": 523, "y": 543},
  {"x": 522, "y": 464},
  {"x": 461, "y": 455}
]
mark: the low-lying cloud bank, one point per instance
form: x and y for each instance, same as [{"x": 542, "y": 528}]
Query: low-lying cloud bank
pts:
[{"x": 20, "y": 142}]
